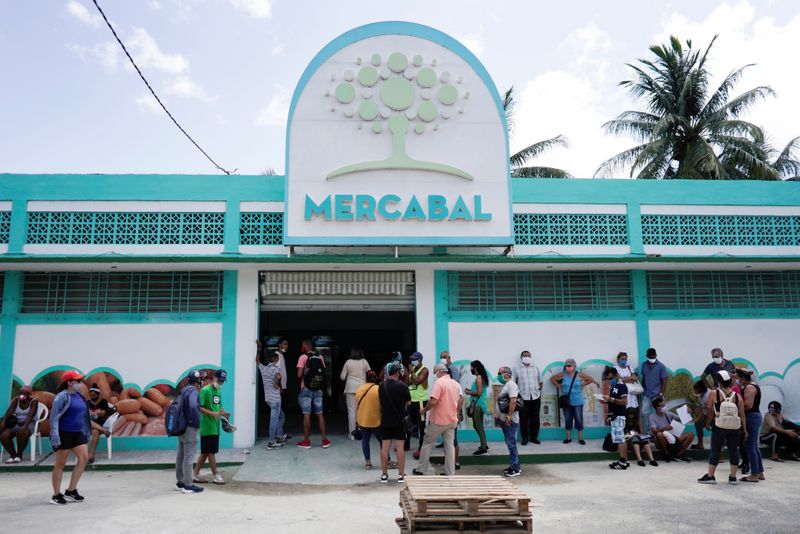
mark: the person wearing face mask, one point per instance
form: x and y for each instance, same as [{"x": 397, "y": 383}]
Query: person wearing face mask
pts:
[
  {"x": 569, "y": 382},
  {"x": 187, "y": 442},
  {"x": 721, "y": 403},
  {"x": 718, "y": 363},
  {"x": 418, "y": 388},
  {"x": 778, "y": 432},
  {"x": 673, "y": 445},
  {"x": 508, "y": 419},
  {"x": 99, "y": 411},
  {"x": 529, "y": 380},
  {"x": 628, "y": 376},
  {"x": 616, "y": 401},
  {"x": 18, "y": 421},
  {"x": 477, "y": 393},
  {"x": 211, "y": 410},
  {"x": 70, "y": 431},
  {"x": 654, "y": 381},
  {"x": 751, "y": 393}
]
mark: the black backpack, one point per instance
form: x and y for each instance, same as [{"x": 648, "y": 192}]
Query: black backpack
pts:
[{"x": 314, "y": 374}]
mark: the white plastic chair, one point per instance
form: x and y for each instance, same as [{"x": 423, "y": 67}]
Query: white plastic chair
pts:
[
  {"x": 42, "y": 413},
  {"x": 110, "y": 422}
]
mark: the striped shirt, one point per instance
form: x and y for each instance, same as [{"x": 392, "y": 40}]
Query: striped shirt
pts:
[
  {"x": 272, "y": 394},
  {"x": 528, "y": 378}
]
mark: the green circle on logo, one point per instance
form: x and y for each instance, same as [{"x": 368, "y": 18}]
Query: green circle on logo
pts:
[
  {"x": 345, "y": 93},
  {"x": 377, "y": 127},
  {"x": 397, "y": 62},
  {"x": 426, "y": 77},
  {"x": 427, "y": 111},
  {"x": 448, "y": 95},
  {"x": 417, "y": 61},
  {"x": 375, "y": 59},
  {"x": 397, "y": 93},
  {"x": 368, "y": 76},
  {"x": 419, "y": 128},
  {"x": 368, "y": 110}
]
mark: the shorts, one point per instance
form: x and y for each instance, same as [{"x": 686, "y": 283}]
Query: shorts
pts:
[
  {"x": 393, "y": 432},
  {"x": 70, "y": 440},
  {"x": 618, "y": 429},
  {"x": 209, "y": 444},
  {"x": 310, "y": 401}
]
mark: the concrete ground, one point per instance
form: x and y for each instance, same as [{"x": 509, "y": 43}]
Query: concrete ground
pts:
[{"x": 567, "y": 497}]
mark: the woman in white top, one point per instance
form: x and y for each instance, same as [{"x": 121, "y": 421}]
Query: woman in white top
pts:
[
  {"x": 628, "y": 376},
  {"x": 354, "y": 374}
]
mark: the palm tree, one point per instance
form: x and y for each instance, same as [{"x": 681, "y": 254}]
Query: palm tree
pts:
[
  {"x": 518, "y": 160},
  {"x": 780, "y": 165},
  {"x": 686, "y": 131}
]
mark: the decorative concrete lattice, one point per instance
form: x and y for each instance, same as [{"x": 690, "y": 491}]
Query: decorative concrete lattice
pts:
[
  {"x": 570, "y": 229},
  {"x": 725, "y": 230},
  {"x": 5, "y": 226},
  {"x": 261, "y": 228},
  {"x": 124, "y": 228}
]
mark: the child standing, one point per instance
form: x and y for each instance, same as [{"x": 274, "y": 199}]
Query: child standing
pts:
[{"x": 211, "y": 410}]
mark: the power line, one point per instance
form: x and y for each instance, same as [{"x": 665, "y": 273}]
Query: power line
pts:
[{"x": 160, "y": 103}]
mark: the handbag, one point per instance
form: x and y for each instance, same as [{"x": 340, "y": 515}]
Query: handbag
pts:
[
  {"x": 357, "y": 432},
  {"x": 563, "y": 400},
  {"x": 634, "y": 388},
  {"x": 471, "y": 407}
]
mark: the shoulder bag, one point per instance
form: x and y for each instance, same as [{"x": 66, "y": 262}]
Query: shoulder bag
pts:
[
  {"x": 634, "y": 388},
  {"x": 357, "y": 432},
  {"x": 563, "y": 400}
]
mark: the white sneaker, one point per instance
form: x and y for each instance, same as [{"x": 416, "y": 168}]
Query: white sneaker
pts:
[
  {"x": 17, "y": 460},
  {"x": 199, "y": 480},
  {"x": 10, "y": 461},
  {"x": 218, "y": 479}
]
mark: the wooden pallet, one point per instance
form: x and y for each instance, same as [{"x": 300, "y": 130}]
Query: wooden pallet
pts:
[{"x": 464, "y": 504}]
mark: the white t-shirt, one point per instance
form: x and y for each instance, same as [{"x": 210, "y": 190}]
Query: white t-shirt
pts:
[
  {"x": 625, "y": 372},
  {"x": 510, "y": 389},
  {"x": 354, "y": 373}
]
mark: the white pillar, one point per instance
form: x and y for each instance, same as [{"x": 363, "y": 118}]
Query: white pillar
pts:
[
  {"x": 426, "y": 327},
  {"x": 246, "y": 333}
]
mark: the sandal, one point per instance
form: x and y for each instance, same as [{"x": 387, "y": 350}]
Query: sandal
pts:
[
  {"x": 777, "y": 459},
  {"x": 368, "y": 466},
  {"x": 697, "y": 447}
]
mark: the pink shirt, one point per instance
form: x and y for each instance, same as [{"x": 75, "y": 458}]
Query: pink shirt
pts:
[{"x": 446, "y": 391}]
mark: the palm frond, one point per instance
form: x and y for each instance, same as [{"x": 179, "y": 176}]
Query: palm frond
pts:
[
  {"x": 508, "y": 107},
  {"x": 536, "y": 149},
  {"x": 540, "y": 172},
  {"x": 623, "y": 160},
  {"x": 787, "y": 163}
]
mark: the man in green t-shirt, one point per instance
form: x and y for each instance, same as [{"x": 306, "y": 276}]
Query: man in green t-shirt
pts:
[{"x": 210, "y": 412}]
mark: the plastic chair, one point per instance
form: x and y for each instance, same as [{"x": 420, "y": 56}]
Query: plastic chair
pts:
[
  {"x": 111, "y": 421},
  {"x": 42, "y": 413}
]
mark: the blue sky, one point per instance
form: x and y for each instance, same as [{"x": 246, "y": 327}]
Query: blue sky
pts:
[{"x": 227, "y": 68}]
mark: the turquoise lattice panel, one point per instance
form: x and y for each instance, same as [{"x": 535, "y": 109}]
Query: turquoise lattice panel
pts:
[
  {"x": 125, "y": 228},
  {"x": 261, "y": 228},
  {"x": 5, "y": 226},
  {"x": 723, "y": 230},
  {"x": 570, "y": 229}
]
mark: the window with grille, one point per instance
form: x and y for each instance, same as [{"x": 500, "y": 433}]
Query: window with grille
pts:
[
  {"x": 125, "y": 228},
  {"x": 570, "y": 229},
  {"x": 130, "y": 293},
  {"x": 5, "y": 226},
  {"x": 262, "y": 228},
  {"x": 721, "y": 230},
  {"x": 540, "y": 291},
  {"x": 723, "y": 290}
]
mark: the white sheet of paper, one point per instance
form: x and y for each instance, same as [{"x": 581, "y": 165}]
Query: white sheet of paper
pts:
[
  {"x": 683, "y": 413},
  {"x": 677, "y": 428},
  {"x": 598, "y": 396}
]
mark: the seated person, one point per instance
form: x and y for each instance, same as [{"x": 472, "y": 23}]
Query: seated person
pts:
[
  {"x": 778, "y": 432},
  {"x": 99, "y": 411},
  {"x": 672, "y": 446},
  {"x": 636, "y": 439},
  {"x": 19, "y": 420}
]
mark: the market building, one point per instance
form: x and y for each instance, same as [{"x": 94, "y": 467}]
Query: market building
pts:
[{"x": 396, "y": 227}]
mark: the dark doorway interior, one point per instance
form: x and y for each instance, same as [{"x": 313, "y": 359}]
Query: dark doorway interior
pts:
[{"x": 378, "y": 333}]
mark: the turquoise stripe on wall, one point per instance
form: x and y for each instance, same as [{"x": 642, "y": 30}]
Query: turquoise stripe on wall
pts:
[{"x": 11, "y": 293}]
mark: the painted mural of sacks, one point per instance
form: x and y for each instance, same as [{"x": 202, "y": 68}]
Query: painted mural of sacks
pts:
[{"x": 679, "y": 390}]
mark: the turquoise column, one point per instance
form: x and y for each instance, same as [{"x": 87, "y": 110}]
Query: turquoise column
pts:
[
  {"x": 16, "y": 237},
  {"x": 635, "y": 228},
  {"x": 228, "y": 349},
  {"x": 639, "y": 291},
  {"x": 441, "y": 308},
  {"x": 231, "y": 236},
  {"x": 8, "y": 330}
]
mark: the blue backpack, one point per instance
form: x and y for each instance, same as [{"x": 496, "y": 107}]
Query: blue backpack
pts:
[{"x": 175, "y": 420}]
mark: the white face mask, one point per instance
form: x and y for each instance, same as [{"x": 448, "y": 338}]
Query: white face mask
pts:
[
  {"x": 76, "y": 387},
  {"x": 717, "y": 360},
  {"x": 652, "y": 360},
  {"x": 526, "y": 360}
]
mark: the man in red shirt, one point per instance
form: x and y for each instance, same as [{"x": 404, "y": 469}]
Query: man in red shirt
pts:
[{"x": 444, "y": 409}]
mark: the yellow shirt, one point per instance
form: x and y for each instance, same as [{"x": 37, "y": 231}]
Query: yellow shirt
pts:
[{"x": 369, "y": 406}]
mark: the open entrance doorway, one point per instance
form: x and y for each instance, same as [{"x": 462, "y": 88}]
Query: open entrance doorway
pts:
[{"x": 338, "y": 311}]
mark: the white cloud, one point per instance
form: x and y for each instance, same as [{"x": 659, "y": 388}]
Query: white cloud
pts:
[
  {"x": 591, "y": 47},
  {"x": 154, "y": 4},
  {"x": 80, "y": 12},
  {"x": 276, "y": 111},
  {"x": 147, "y": 103},
  {"x": 260, "y": 9},
  {"x": 106, "y": 53},
  {"x": 147, "y": 54},
  {"x": 185, "y": 87}
]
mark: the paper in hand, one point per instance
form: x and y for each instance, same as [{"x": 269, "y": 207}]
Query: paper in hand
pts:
[{"x": 685, "y": 416}]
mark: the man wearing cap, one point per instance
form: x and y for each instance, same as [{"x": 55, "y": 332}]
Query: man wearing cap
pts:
[
  {"x": 211, "y": 410},
  {"x": 187, "y": 442},
  {"x": 444, "y": 406},
  {"x": 99, "y": 411},
  {"x": 418, "y": 388}
]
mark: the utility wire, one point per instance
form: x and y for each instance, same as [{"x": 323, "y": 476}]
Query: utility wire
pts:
[{"x": 160, "y": 103}]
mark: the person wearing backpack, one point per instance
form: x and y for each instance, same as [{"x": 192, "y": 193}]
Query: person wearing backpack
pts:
[
  {"x": 724, "y": 419},
  {"x": 188, "y": 402},
  {"x": 311, "y": 373}
]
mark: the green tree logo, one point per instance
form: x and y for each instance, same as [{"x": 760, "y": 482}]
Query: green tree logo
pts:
[{"x": 397, "y": 93}]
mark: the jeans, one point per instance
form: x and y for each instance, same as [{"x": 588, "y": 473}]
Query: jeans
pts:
[
  {"x": 573, "y": 414},
  {"x": 367, "y": 433},
  {"x": 433, "y": 431},
  {"x": 276, "y": 420},
  {"x": 187, "y": 446},
  {"x": 413, "y": 412},
  {"x": 477, "y": 422},
  {"x": 753, "y": 452},
  {"x": 310, "y": 401},
  {"x": 529, "y": 419},
  {"x": 721, "y": 437},
  {"x": 510, "y": 435}
]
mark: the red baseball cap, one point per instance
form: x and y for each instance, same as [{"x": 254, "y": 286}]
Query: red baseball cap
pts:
[{"x": 71, "y": 375}]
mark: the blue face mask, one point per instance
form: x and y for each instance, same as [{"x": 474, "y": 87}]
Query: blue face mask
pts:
[
  {"x": 501, "y": 379},
  {"x": 613, "y": 381},
  {"x": 623, "y": 363}
]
